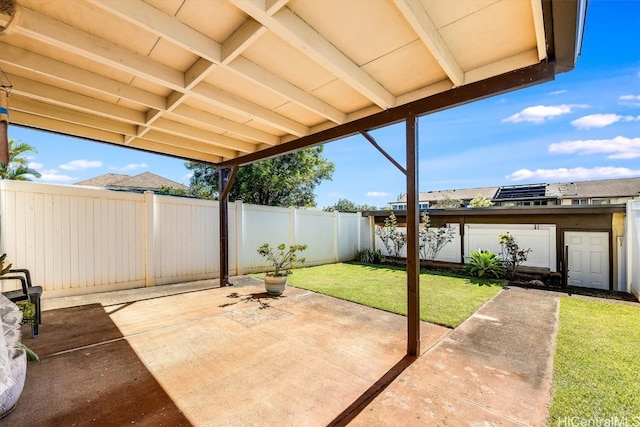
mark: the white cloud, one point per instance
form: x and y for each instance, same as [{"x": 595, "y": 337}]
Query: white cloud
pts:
[
  {"x": 558, "y": 92},
  {"x": 75, "y": 165},
  {"x": 619, "y": 147},
  {"x": 562, "y": 174},
  {"x": 633, "y": 100},
  {"x": 377, "y": 194},
  {"x": 539, "y": 113},
  {"x": 129, "y": 167},
  {"x": 52, "y": 175},
  {"x": 601, "y": 120},
  {"x": 337, "y": 195}
]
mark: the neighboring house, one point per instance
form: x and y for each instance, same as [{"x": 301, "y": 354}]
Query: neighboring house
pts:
[
  {"x": 601, "y": 192},
  {"x": 146, "y": 181}
]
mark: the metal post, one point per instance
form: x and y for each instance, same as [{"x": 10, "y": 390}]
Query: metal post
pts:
[{"x": 413, "y": 250}]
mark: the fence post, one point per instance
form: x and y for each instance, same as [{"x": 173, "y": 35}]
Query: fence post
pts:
[
  {"x": 359, "y": 222},
  {"x": 293, "y": 232},
  {"x": 239, "y": 236},
  {"x": 336, "y": 231},
  {"x": 149, "y": 248}
]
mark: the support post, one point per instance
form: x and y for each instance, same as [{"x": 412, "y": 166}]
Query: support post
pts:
[
  {"x": 413, "y": 249},
  {"x": 225, "y": 181}
]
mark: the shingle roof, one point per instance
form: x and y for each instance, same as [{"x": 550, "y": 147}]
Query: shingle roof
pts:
[
  {"x": 461, "y": 194},
  {"x": 621, "y": 187},
  {"x": 143, "y": 181}
]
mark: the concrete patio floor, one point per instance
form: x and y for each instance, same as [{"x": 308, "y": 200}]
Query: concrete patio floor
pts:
[{"x": 196, "y": 354}]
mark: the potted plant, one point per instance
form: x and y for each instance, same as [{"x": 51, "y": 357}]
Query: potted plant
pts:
[{"x": 282, "y": 260}]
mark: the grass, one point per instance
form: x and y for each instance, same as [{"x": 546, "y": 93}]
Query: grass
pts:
[
  {"x": 596, "y": 368},
  {"x": 445, "y": 299}
]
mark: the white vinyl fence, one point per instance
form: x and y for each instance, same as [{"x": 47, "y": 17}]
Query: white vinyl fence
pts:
[
  {"x": 541, "y": 238},
  {"x": 449, "y": 253},
  {"x": 79, "y": 240},
  {"x": 632, "y": 249}
]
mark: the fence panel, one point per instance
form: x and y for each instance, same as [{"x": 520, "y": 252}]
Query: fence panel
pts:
[
  {"x": 186, "y": 241},
  {"x": 318, "y": 230},
  {"x": 262, "y": 224},
  {"x": 348, "y": 237},
  {"x": 74, "y": 240},
  {"x": 541, "y": 241},
  {"x": 449, "y": 253}
]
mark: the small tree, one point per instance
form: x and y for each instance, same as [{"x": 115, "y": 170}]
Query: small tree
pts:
[
  {"x": 281, "y": 258},
  {"x": 480, "y": 202},
  {"x": 511, "y": 254},
  {"x": 432, "y": 241},
  {"x": 448, "y": 203},
  {"x": 393, "y": 240},
  {"x": 344, "y": 205}
]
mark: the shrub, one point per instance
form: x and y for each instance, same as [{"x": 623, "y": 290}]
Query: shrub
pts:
[
  {"x": 482, "y": 263},
  {"x": 512, "y": 255},
  {"x": 369, "y": 256},
  {"x": 433, "y": 240},
  {"x": 281, "y": 258},
  {"x": 393, "y": 240}
]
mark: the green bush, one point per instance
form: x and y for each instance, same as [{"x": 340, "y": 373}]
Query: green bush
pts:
[
  {"x": 369, "y": 256},
  {"x": 482, "y": 263}
]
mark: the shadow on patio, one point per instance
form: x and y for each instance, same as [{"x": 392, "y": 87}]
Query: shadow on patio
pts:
[{"x": 209, "y": 356}]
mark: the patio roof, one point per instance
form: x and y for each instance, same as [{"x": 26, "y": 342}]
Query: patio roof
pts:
[
  {"x": 237, "y": 81},
  {"x": 227, "y": 82}
]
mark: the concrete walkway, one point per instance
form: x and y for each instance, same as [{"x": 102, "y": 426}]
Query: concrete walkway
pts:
[
  {"x": 206, "y": 356},
  {"x": 494, "y": 369}
]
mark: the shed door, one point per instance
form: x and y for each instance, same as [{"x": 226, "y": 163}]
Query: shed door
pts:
[{"x": 588, "y": 259}]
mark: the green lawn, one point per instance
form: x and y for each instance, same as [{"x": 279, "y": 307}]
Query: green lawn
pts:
[
  {"x": 444, "y": 299},
  {"x": 596, "y": 376}
]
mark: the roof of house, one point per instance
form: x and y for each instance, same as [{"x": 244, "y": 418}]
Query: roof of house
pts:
[
  {"x": 143, "y": 181},
  {"x": 620, "y": 187},
  {"x": 461, "y": 194}
]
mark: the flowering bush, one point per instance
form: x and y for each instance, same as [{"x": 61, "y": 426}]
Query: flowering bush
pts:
[
  {"x": 394, "y": 241},
  {"x": 511, "y": 254},
  {"x": 432, "y": 241}
]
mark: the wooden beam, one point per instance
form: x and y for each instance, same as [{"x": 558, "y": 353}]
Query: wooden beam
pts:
[
  {"x": 29, "y": 61},
  {"x": 421, "y": 23},
  {"x": 162, "y": 25},
  {"x": 524, "y": 77},
  {"x": 226, "y": 176},
  {"x": 377, "y": 146},
  {"x": 231, "y": 102},
  {"x": 74, "y": 101},
  {"x": 413, "y": 251},
  {"x": 55, "y": 33},
  {"x": 290, "y": 27}
]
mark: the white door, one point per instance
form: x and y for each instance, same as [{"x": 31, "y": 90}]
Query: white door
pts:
[{"x": 588, "y": 259}]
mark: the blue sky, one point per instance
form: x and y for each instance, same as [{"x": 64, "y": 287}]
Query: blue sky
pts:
[{"x": 584, "y": 125}]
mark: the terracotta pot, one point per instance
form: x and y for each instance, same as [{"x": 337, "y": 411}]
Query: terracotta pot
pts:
[
  {"x": 275, "y": 285},
  {"x": 9, "y": 398}
]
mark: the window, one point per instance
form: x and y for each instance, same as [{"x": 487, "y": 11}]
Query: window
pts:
[
  {"x": 398, "y": 207},
  {"x": 579, "y": 201},
  {"x": 601, "y": 201},
  {"x": 424, "y": 205}
]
